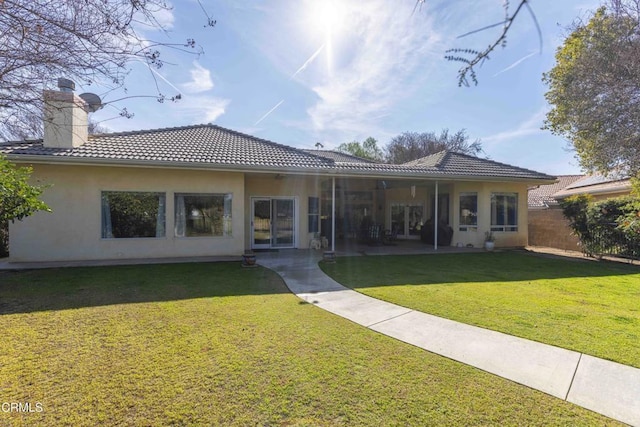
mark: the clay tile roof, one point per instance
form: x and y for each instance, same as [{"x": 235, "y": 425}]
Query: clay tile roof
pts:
[
  {"x": 453, "y": 163},
  {"x": 338, "y": 156},
  {"x": 191, "y": 144},
  {"x": 211, "y": 145},
  {"x": 542, "y": 195}
]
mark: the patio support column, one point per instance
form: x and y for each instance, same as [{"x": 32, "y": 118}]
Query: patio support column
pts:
[
  {"x": 436, "y": 220},
  {"x": 333, "y": 214}
]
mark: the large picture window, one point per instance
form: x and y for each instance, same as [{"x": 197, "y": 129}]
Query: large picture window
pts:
[
  {"x": 203, "y": 215},
  {"x": 131, "y": 214},
  {"x": 504, "y": 212},
  {"x": 468, "y": 211}
]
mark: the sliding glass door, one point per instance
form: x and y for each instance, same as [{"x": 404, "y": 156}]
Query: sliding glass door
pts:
[
  {"x": 273, "y": 223},
  {"x": 407, "y": 219}
]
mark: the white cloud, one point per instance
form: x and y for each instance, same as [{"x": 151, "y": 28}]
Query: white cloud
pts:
[
  {"x": 200, "y": 80},
  {"x": 201, "y": 109},
  {"x": 160, "y": 16},
  {"x": 387, "y": 55},
  {"x": 165, "y": 17}
]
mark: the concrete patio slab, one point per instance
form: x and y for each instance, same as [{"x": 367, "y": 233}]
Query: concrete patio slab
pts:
[
  {"x": 609, "y": 388},
  {"x": 540, "y": 366}
]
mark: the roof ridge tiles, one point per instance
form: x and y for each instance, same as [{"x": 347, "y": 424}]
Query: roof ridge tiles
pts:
[
  {"x": 148, "y": 131},
  {"x": 496, "y": 162}
]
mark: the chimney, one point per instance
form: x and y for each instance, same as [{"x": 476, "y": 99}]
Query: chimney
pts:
[{"x": 65, "y": 117}]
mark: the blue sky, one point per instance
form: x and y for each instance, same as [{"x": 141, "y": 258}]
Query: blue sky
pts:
[{"x": 327, "y": 71}]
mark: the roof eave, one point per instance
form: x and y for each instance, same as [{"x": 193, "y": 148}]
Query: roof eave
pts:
[
  {"x": 593, "y": 191},
  {"x": 325, "y": 171},
  {"x": 84, "y": 161}
]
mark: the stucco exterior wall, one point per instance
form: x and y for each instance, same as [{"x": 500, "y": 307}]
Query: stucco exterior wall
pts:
[
  {"x": 297, "y": 187},
  {"x": 484, "y": 190},
  {"x": 73, "y": 230}
]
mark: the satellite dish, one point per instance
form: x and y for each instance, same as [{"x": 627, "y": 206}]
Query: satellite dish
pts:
[{"x": 94, "y": 103}]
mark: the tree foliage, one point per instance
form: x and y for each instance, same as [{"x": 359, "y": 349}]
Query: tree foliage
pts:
[
  {"x": 368, "y": 149},
  {"x": 594, "y": 89},
  {"x": 606, "y": 227},
  {"x": 85, "y": 41},
  {"x": 413, "y": 145},
  {"x": 574, "y": 209},
  {"x": 18, "y": 198}
]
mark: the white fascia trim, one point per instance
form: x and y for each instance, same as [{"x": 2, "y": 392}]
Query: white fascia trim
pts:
[{"x": 328, "y": 172}]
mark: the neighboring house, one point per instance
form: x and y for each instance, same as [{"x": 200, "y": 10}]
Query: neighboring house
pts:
[
  {"x": 547, "y": 224},
  {"x": 204, "y": 190},
  {"x": 598, "y": 186}
]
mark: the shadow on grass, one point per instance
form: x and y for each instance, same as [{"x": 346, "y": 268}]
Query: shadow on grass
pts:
[
  {"x": 69, "y": 288},
  {"x": 358, "y": 272}
]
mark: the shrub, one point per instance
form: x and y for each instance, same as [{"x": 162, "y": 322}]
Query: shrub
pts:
[
  {"x": 609, "y": 226},
  {"x": 574, "y": 209}
]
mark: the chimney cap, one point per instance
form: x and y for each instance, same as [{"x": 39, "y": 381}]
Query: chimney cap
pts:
[{"x": 66, "y": 85}]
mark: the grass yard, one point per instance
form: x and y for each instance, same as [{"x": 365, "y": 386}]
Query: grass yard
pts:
[
  {"x": 215, "y": 344},
  {"x": 591, "y": 307}
]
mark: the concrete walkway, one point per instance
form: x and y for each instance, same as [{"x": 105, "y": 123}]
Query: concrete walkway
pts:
[{"x": 605, "y": 387}]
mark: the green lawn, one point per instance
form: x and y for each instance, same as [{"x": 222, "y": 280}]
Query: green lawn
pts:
[
  {"x": 587, "y": 306},
  {"x": 215, "y": 344}
]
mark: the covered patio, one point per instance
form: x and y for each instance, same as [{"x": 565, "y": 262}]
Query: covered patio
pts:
[
  {"x": 366, "y": 213},
  {"x": 402, "y": 247}
]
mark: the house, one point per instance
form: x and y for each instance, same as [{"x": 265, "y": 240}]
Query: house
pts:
[
  {"x": 547, "y": 224},
  {"x": 204, "y": 190},
  {"x": 600, "y": 187}
]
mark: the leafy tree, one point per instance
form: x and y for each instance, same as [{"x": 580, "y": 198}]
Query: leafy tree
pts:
[
  {"x": 594, "y": 89},
  {"x": 574, "y": 209},
  {"x": 413, "y": 145},
  {"x": 86, "y": 41},
  {"x": 18, "y": 198},
  {"x": 367, "y": 150}
]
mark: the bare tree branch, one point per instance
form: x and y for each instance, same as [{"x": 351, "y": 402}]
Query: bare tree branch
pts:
[
  {"x": 86, "y": 41},
  {"x": 473, "y": 57}
]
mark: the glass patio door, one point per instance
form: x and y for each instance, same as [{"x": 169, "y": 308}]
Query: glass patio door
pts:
[
  {"x": 272, "y": 223},
  {"x": 407, "y": 219},
  {"x": 261, "y": 224},
  {"x": 283, "y": 223}
]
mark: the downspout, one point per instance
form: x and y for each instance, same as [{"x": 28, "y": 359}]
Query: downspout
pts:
[
  {"x": 436, "y": 221},
  {"x": 333, "y": 214}
]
